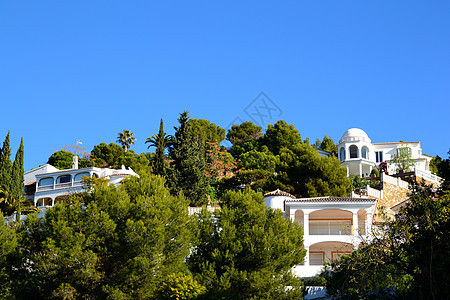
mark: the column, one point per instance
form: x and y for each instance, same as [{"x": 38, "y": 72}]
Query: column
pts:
[
  {"x": 360, "y": 170},
  {"x": 355, "y": 224},
  {"x": 369, "y": 223},
  {"x": 305, "y": 224}
]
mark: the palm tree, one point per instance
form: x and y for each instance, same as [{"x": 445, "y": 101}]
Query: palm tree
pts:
[{"x": 126, "y": 139}]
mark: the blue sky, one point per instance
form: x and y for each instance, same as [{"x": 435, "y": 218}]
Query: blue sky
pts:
[{"x": 86, "y": 70}]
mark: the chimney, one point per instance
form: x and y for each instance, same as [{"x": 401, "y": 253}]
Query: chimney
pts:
[{"x": 75, "y": 162}]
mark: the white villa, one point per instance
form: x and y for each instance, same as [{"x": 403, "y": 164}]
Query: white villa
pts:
[
  {"x": 46, "y": 185},
  {"x": 332, "y": 226},
  {"x": 358, "y": 153}
]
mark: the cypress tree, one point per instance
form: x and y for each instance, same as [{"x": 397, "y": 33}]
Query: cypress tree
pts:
[
  {"x": 5, "y": 165},
  {"x": 160, "y": 141},
  {"x": 188, "y": 153},
  {"x": 17, "y": 173}
]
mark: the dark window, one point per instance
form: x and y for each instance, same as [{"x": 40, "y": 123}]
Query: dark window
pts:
[
  {"x": 342, "y": 154},
  {"x": 353, "y": 151},
  {"x": 379, "y": 156},
  {"x": 365, "y": 153},
  {"x": 64, "y": 179}
]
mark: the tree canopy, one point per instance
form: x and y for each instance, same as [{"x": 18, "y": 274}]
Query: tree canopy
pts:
[
  {"x": 246, "y": 250},
  {"x": 118, "y": 243}
]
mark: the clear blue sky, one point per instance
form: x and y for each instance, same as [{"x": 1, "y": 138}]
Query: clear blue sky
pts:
[{"x": 86, "y": 70}]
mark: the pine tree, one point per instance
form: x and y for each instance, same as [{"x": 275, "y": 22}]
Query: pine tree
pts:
[
  {"x": 5, "y": 165},
  {"x": 17, "y": 173},
  {"x": 188, "y": 153},
  {"x": 246, "y": 250}
]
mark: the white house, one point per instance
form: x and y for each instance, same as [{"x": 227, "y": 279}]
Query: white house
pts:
[
  {"x": 360, "y": 155},
  {"x": 47, "y": 185},
  {"x": 332, "y": 226}
]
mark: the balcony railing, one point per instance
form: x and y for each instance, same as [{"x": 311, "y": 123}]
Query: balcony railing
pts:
[
  {"x": 60, "y": 186},
  {"x": 330, "y": 228}
]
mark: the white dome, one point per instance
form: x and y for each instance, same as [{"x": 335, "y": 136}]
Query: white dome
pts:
[{"x": 354, "y": 135}]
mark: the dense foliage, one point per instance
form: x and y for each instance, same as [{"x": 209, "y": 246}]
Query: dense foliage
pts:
[
  {"x": 11, "y": 179},
  {"x": 118, "y": 243},
  {"x": 188, "y": 154},
  {"x": 409, "y": 255},
  {"x": 246, "y": 250}
]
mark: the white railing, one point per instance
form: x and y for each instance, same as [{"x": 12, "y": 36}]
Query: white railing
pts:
[
  {"x": 427, "y": 176},
  {"x": 330, "y": 228},
  {"x": 44, "y": 188},
  {"x": 395, "y": 181},
  {"x": 374, "y": 192}
]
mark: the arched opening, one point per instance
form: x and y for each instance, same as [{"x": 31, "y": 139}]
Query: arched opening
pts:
[
  {"x": 61, "y": 199},
  {"x": 323, "y": 252},
  {"x": 353, "y": 151},
  {"x": 63, "y": 179},
  {"x": 365, "y": 152},
  {"x": 299, "y": 217},
  {"x": 342, "y": 154},
  {"x": 46, "y": 182},
  {"x": 330, "y": 222},
  {"x": 362, "y": 217},
  {"x": 47, "y": 201}
]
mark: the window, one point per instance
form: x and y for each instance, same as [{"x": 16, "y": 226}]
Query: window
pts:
[
  {"x": 79, "y": 176},
  {"x": 365, "y": 152},
  {"x": 316, "y": 258},
  {"x": 63, "y": 179},
  {"x": 46, "y": 181},
  {"x": 379, "y": 156},
  {"x": 353, "y": 151},
  {"x": 342, "y": 154}
]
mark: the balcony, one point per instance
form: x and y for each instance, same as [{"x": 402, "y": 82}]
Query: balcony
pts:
[{"x": 330, "y": 227}]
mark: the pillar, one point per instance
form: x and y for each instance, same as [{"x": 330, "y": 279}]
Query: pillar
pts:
[
  {"x": 305, "y": 224},
  {"x": 368, "y": 223},
  {"x": 360, "y": 170},
  {"x": 355, "y": 224}
]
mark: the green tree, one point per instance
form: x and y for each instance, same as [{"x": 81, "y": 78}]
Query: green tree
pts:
[
  {"x": 107, "y": 155},
  {"x": 253, "y": 159},
  {"x": 126, "y": 139},
  {"x": 402, "y": 160},
  {"x": 5, "y": 165},
  {"x": 17, "y": 173},
  {"x": 210, "y": 132},
  {"x": 160, "y": 141},
  {"x": 246, "y": 250},
  {"x": 188, "y": 154},
  {"x": 180, "y": 287},
  {"x": 281, "y": 135},
  {"x": 116, "y": 242},
  {"x": 409, "y": 253},
  {"x": 327, "y": 144},
  {"x": 311, "y": 175},
  {"x": 63, "y": 160},
  {"x": 239, "y": 134}
]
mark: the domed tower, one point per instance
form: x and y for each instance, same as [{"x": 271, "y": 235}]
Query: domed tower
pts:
[{"x": 356, "y": 152}]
